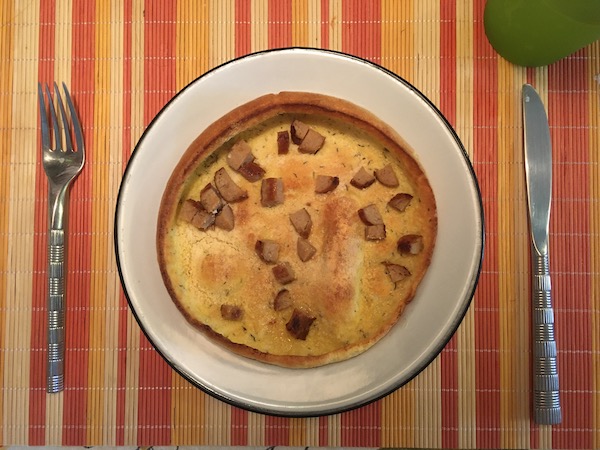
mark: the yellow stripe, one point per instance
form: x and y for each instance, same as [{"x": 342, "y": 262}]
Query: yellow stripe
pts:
[
  {"x": 6, "y": 80},
  {"x": 137, "y": 127},
  {"x": 314, "y": 24},
  {"x": 192, "y": 46},
  {"x": 221, "y": 46},
  {"x": 218, "y": 421},
  {"x": 300, "y": 26},
  {"x": 259, "y": 27},
  {"x": 335, "y": 27},
  {"x": 21, "y": 160},
  {"x": 594, "y": 157},
  {"x": 397, "y": 37}
]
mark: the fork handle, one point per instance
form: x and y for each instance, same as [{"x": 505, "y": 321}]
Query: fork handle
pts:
[
  {"x": 56, "y": 310},
  {"x": 546, "y": 397}
]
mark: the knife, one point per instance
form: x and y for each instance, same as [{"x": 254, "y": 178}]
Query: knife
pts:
[{"x": 538, "y": 176}]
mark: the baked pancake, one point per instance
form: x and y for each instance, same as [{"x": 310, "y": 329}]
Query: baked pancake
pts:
[{"x": 295, "y": 229}]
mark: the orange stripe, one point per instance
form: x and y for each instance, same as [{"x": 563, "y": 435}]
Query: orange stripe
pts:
[
  {"x": 98, "y": 292},
  {"x": 299, "y": 19}
]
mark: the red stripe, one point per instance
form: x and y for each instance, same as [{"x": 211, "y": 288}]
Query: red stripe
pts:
[
  {"x": 361, "y": 28},
  {"x": 243, "y": 29},
  {"x": 448, "y": 358},
  {"x": 123, "y": 308},
  {"x": 79, "y": 248},
  {"x": 361, "y": 427},
  {"x": 280, "y": 23},
  {"x": 325, "y": 23},
  {"x": 277, "y": 430},
  {"x": 570, "y": 237},
  {"x": 323, "y": 431},
  {"x": 37, "y": 370},
  {"x": 487, "y": 358},
  {"x": 154, "y": 408},
  {"x": 239, "y": 426}
]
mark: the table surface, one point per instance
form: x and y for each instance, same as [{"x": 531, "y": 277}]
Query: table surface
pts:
[{"x": 124, "y": 60}]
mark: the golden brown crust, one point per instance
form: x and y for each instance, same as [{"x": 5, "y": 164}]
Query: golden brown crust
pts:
[{"x": 336, "y": 259}]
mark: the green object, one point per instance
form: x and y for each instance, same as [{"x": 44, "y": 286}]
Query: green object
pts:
[{"x": 539, "y": 32}]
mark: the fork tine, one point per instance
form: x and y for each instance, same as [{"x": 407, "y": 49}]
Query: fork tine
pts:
[
  {"x": 64, "y": 120},
  {"x": 57, "y": 139},
  {"x": 75, "y": 120},
  {"x": 43, "y": 119}
]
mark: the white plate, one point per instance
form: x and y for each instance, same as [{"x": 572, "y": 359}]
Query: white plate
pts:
[{"x": 428, "y": 322}]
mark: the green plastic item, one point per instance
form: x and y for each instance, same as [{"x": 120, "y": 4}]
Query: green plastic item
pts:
[{"x": 536, "y": 33}]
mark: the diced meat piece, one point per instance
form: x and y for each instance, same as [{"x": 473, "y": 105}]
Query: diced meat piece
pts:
[
  {"x": 299, "y": 324},
  {"x": 375, "y": 232},
  {"x": 271, "y": 192},
  {"x": 192, "y": 211},
  {"x": 305, "y": 249},
  {"x": 188, "y": 209},
  {"x": 362, "y": 179},
  {"x": 410, "y": 244},
  {"x": 312, "y": 142},
  {"x": 239, "y": 154},
  {"x": 387, "y": 176},
  {"x": 283, "y": 142},
  {"x": 230, "y": 191},
  {"x": 203, "y": 220},
  {"x": 283, "y": 300},
  {"x": 251, "y": 171},
  {"x": 302, "y": 222},
  {"x": 284, "y": 273},
  {"x": 370, "y": 215},
  {"x": 325, "y": 183},
  {"x": 298, "y": 130},
  {"x": 396, "y": 272},
  {"x": 225, "y": 219},
  {"x": 231, "y": 312},
  {"x": 210, "y": 199},
  {"x": 400, "y": 201},
  {"x": 267, "y": 250}
]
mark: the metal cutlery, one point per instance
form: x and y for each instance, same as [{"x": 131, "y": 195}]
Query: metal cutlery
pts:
[
  {"x": 538, "y": 172},
  {"x": 62, "y": 162}
]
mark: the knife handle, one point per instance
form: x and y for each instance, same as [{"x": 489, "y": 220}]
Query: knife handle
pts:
[{"x": 546, "y": 397}]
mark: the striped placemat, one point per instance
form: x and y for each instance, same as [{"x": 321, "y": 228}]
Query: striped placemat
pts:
[{"x": 124, "y": 60}]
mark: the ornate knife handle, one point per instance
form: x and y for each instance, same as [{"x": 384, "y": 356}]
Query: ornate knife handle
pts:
[
  {"x": 546, "y": 397},
  {"x": 56, "y": 311}
]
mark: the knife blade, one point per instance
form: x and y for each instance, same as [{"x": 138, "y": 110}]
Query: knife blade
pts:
[{"x": 538, "y": 177}]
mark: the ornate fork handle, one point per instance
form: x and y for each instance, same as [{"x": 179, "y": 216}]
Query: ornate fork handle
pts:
[
  {"x": 546, "y": 399},
  {"x": 58, "y": 199}
]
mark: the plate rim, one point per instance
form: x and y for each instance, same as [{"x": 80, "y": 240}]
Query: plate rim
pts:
[{"x": 435, "y": 351}]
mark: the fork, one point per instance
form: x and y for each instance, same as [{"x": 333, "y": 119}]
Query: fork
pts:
[{"x": 62, "y": 165}]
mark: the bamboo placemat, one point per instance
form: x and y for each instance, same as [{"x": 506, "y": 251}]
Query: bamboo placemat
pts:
[{"x": 124, "y": 60}]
